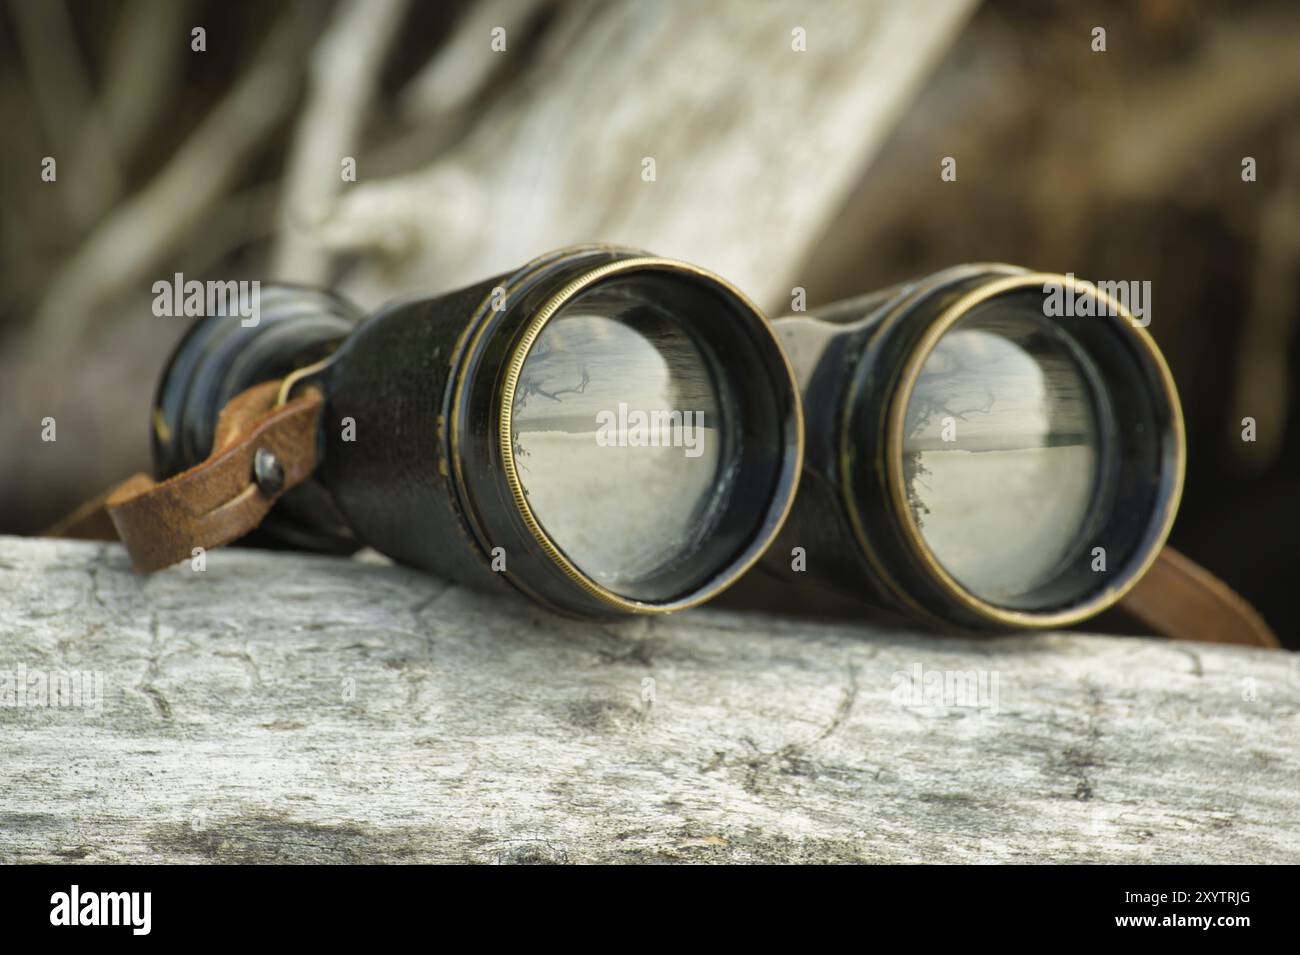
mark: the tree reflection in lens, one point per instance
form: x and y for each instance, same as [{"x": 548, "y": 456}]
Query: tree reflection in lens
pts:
[
  {"x": 616, "y": 437},
  {"x": 1000, "y": 452}
]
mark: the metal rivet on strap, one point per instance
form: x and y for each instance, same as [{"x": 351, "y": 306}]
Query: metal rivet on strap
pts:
[{"x": 268, "y": 472}]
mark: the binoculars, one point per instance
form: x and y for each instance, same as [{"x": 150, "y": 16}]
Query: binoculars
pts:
[{"x": 613, "y": 433}]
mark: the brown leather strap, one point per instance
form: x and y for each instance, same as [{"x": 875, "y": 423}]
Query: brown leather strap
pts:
[
  {"x": 90, "y": 521},
  {"x": 1179, "y": 599},
  {"x": 220, "y": 499}
]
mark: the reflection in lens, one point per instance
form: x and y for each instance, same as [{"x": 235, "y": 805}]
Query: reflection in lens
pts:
[
  {"x": 616, "y": 431},
  {"x": 1001, "y": 452}
]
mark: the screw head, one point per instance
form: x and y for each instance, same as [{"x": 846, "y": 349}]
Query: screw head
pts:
[{"x": 268, "y": 472}]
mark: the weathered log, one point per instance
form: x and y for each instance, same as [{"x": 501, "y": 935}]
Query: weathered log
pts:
[{"x": 283, "y": 707}]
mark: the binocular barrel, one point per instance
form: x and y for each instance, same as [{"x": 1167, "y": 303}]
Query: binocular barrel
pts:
[
  {"x": 608, "y": 431},
  {"x": 974, "y": 458}
]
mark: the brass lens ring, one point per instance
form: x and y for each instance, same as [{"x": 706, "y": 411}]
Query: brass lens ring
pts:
[
  {"x": 1147, "y": 551},
  {"x": 514, "y": 368}
]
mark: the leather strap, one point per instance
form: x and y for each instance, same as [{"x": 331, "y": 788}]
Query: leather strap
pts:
[
  {"x": 89, "y": 522},
  {"x": 1179, "y": 599},
  {"x": 220, "y": 499}
]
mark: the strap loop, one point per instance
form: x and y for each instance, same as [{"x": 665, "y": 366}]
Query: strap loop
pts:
[{"x": 220, "y": 499}]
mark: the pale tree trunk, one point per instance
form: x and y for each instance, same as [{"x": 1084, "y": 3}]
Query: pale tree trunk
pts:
[{"x": 757, "y": 118}]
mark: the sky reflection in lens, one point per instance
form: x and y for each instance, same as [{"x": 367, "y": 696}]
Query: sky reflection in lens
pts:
[
  {"x": 1000, "y": 452},
  {"x": 616, "y": 438}
]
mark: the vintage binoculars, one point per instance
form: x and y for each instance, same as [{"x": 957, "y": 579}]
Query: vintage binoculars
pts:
[{"x": 614, "y": 433}]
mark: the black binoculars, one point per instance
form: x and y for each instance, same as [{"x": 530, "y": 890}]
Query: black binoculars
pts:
[{"x": 614, "y": 433}]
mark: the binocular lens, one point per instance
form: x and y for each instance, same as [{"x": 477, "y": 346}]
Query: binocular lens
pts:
[
  {"x": 1001, "y": 457},
  {"x": 622, "y": 438},
  {"x": 650, "y": 434}
]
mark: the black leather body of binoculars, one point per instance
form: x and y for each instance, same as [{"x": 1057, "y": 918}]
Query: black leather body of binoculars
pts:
[{"x": 613, "y": 433}]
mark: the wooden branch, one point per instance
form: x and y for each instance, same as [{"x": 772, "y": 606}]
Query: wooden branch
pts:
[
  {"x": 281, "y": 707},
  {"x": 141, "y": 232},
  {"x": 345, "y": 70},
  {"x": 755, "y": 143},
  {"x": 458, "y": 71},
  {"x": 1245, "y": 77},
  {"x": 144, "y": 62},
  {"x": 78, "y": 135}
]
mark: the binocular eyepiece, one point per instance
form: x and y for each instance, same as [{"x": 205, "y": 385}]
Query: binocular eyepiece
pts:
[{"x": 613, "y": 433}]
